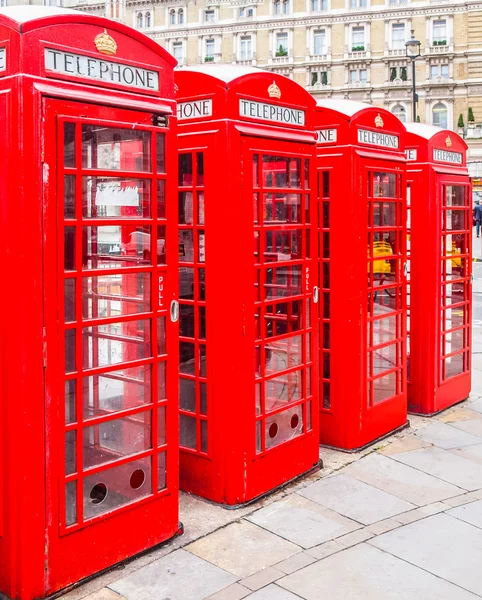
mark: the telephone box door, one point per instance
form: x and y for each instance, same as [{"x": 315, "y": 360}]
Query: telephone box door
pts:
[{"x": 111, "y": 351}]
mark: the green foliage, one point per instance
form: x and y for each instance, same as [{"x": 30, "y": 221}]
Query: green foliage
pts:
[
  {"x": 470, "y": 115},
  {"x": 418, "y": 118},
  {"x": 393, "y": 73},
  {"x": 324, "y": 78},
  {"x": 403, "y": 74},
  {"x": 460, "y": 122},
  {"x": 358, "y": 48},
  {"x": 281, "y": 51},
  {"x": 209, "y": 59}
]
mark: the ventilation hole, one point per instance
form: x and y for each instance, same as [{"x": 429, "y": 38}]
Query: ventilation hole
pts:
[
  {"x": 294, "y": 421},
  {"x": 273, "y": 430},
  {"x": 98, "y": 493},
  {"x": 137, "y": 479}
]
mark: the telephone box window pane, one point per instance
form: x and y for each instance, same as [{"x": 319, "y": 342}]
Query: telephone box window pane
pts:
[
  {"x": 116, "y": 487},
  {"x": 326, "y": 184},
  {"x": 283, "y": 354},
  {"x": 455, "y": 195},
  {"x": 455, "y": 292},
  {"x": 116, "y": 390},
  {"x": 202, "y": 285},
  {"x": 283, "y": 426},
  {"x": 114, "y": 343},
  {"x": 454, "y": 317},
  {"x": 161, "y": 335},
  {"x": 186, "y": 358},
  {"x": 384, "y": 185},
  {"x": 255, "y": 170},
  {"x": 185, "y": 208},
  {"x": 326, "y": 395},
  {"x": 384, "y": 359},
  {"x": 202, "y": 322},
  {"x": 115, "y": 246},
  {"x": 385, "y": 214},
  {"x": 282, "y": 208},
  {"x": 454, "y": 269},
  {"x": 281, "y": 171},
  {"x": 385, "y": 387},
  {"x": 283, "y": 245},
  {"x": 204, "y": 436},
  {"x": 201, "y": 247},
  {"x": 455, "y": 220},
  {"x": 202, "y": 360},
  {"x": 200, "y": 208},
  {"x": 283, "y": 390},
  {"x": 161, "y": 471},
  {"x": 384, "y": 330},
  {"x": 203, "y": 393},
  {"x": 115, "y": 295},
  {"x": 186, "y": 320},
  {"x": 70, "y": 503},
  {"x": 187, "y": 431},
  {"x": 70, "y": 454},
  {"x": 161, "y": 199},
  {"x": 69, "y": 300},
  {"x": 454, "y": 365},
  {"x": 455, "y": 243},
  {"x": 200, "y": 169},
  {"x": 115, "y": 149},
  {"x": 69, "y": 248},
  {"x": 187, "y": 394},
  {"x": 69, "y": 144},
  {"x": 282, "y": 282},
  {"x": 161, "y": 152},
  {"x": 186, "y": 283},
  {"x": 115, "y": 198},
  {"x": 70, "y": 362},
  {"x": 185, "y": 169},
  {"x": 70, "y": 403},
  {"x": 454, "y": 341},
  {"x": 258, "y": 437},
  {"x": 161, "y": 381},
  {"x": 69, "y": 196},
  {"x": 161, "y": 245},
  {"x": 186, "y": 246}
]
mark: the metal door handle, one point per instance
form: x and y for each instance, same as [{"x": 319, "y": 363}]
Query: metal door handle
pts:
[
  {"x": 174, "y": 311},
  {"x": 405, "y": 269},
  {"x": 315, "y": 294}
]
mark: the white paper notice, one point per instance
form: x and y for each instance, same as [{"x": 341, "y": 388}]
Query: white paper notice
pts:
[{"x": 112, "y": 194}]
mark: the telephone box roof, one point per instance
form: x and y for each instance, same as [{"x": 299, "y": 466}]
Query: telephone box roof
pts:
[
  {"x": 23, "y": 14},
  {"x": 344, "y": 107},
  {"x": 226, "y": 73},
  {"x": 423, "y": 130}
]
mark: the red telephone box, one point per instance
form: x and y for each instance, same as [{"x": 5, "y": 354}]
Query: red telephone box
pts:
[
  {"x": 247, "y": 214},
  {"x": 361, "y": 189},
  {"x": 440, "y": 246},
  {"x": 89, "y": 426}
]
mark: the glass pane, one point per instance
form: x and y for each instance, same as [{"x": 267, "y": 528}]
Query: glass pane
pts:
[
  {"x": 187, "y": 431},
  {"x": 70, "y": 402},
  {"x": 283, "y": 318},
  {"x": 202, "y": 285},
  {"x": 69, "y": 248},
  {"x": 69, "y": 196},
  {"x": 186, "y": 320},
  {"x": 115, "y": 246},
  {"x": 282, "y": 390},
  {"x": 203, "y": 394},
  {"x": 69, "y": 144},
  {"x": 200, "y": 208},
  {"x": 116, "y": 487},
  {"x": 115, "y": 149},
  {"x": 161, "y": 471},
  {"x": 202, "y": 322},
  {"x": 185, "y": 208},
  {"x": 384, "y": 330},
  {"x": 186, "y": 283},
  {"x": 384, "y": 185},
  {"x": 70, "y": 503},
  {"x": 116, "y": 390},
  {"x": 161, "y": 245},
  {"x": 161, "y": 152},
  {"x": 281, "y": 171},
  {"x": 70, "y": 453},
  {"x": 200, "y": 168},
  {"x": 283, "y": 354},
  {"x": 187, "y": 394},
  {"x": 282, "y": 208},
  {"x": 283, "y": 245},
  {"x": 384, "y": 359},
  {"x": 455, "y": 220},
  {"x": 117, "y": 438},
  {"x": 454, "y": 341},
  {"x": 454, "y": 365},
  {"x": 201, "y": 246},
  {"x": 186, "y": 246},
  {"x": 69, "y": 300},
  {"x": 185, "y": 169},
  {"x": 455, "y": 195},
  {"x": 282, "y": 282},
  {"x": 204, "y": 436},
  {"x": 454, "y": 269},
  {"x": 186, "y": 358},
  {"x": 161, "y": 381},
  {"x": 115, "y": 343},
  {"x": 115, "y": 197},
  {"x": 454, "y": 317},
  {"x": 161, "y": 199},
  {"x": 385, "y": 214},
  {"x": 455, "y": 292},
  {"x": 283, "y": 426},
  {"x": 115, "y": 295},
  {"x": 70, "y": 361},
  {"x": 385, "y": 387}
]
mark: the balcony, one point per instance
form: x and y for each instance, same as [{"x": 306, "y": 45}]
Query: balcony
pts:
[
  {"x": 323, "y": 56},
  {"x": 357, "y": 54},
  {"x": 395, "y": 52},
  {"x": 245, "y": 59},
  {"x": 211, "y": 58},
  {"x": 439, "y": 47}
]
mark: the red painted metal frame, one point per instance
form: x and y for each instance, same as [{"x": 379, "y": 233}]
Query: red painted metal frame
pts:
[
  {"x": 38, "y": 553},
  {"x": 355, "y": 406},
  {"x": 230, "y": 468},
  {"x": 429, "y": 391}
]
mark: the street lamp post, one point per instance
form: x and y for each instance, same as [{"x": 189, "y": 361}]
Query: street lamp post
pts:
[{"x": 412, "y": 50}]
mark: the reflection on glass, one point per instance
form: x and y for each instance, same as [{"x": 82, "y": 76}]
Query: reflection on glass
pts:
[
  {"x": 454, "y": 341},
  {"x": 282, "y": 208},
  {"x": 454, "y": 365},
  {"x": 115, "y": 198},
  {"x": 200, "y": 208},
  {"x": 455, "y": 195},
  {"x": 161, "y": 199},
  {"x": 70, "y": 453},
  {"x": 186, "y": 358},
  {"x": 203, "y": 394},
  {"x": 70, "y": 403},
  {"x": 69, "y": 144},
  {"x": 69, "y": 196},
  {"x": 161, "y": 152},
  {"x": 204, "y": 436},
  {"x": 282, "y": 390},
  {"x": 454, "y": 269},
  {"x": 116, "y": 390},
  {"x": 161, "y": 245},
  {"x": 185, "y": 169},
  {"x": 281, "y": 171},
  {"x": 455, "y": 220},
  {"x": 385, "y": 214},
  {"x": 283, "y": 426},
  {"x": 69, "y": 300},
  {"x": 186, "y": 283},
  {"x": 384, "y": 185},
  {"x": 187, "y": 394},
  {"x": 114, "y": 246},
  {"x": 201, "y": 246},
  {"x": 384, "y": 359},
  {"x": 69, "y": 248},
  {"x": 385, "y": 387},
  {"x": 283, "y": 318},
  {"x": 115, "y": 149},
  {"x": 70, "y": 503},
  {"x": 185, "y": 208},
  {"x": 187, "y": 431},
  {"x": 283, "y": 354},
  {"x": 70, "y": 362},
  {"x": 186, "y": 245},
  {"x": 384, "y": 330},
  {"x": 282, "y": 282},
  {"x": 161, "y": 381},
  {"x": 161, "y": 335},
  {"x": 200, "y": 168},
  {"x": 115, "y": 295},
  {"x": 283, "y": 245},
  {"x": 114, "y": 343},
  {"x": 161, "y": 471},
  {"x": 255, "y": 170}
]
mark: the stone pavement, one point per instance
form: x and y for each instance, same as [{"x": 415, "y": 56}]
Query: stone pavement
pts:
[{"x": 400, "y": 520}]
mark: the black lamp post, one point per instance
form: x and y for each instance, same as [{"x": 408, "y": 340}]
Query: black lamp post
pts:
[{"x": 412, "y": 50}]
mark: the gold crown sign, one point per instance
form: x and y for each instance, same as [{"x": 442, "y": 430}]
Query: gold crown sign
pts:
[
  {"x": 105, "y": 43},
  {"x": 448, "y": 141},
  {"x": 378, "y": 121},
  {"x": 274, "y": 91}
]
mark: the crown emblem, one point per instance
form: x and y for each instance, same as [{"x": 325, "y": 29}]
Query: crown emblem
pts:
[
  {"x": 105, "y": 43},
  {"x": 274, "y": 91},
  {"x": 378, "y": 121},
  {"x": 448, "y": 141}
]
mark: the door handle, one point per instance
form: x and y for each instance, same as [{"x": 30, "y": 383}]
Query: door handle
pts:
[
  {"x": 174, "y": 311},
  {"x": 315, "y": 294}
]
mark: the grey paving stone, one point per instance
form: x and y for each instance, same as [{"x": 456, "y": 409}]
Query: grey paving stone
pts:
[
  {"x": 383, "y": 526},
  {"x": 355, "y": 499},
  {"x": 104, "y": 594},
  {"x": 356, "y": 537},
  {"x": 472, "y": 426},
  {"x": 470, "y": 452},
  {"x": 446, "y": 436},
  {"x": 232, "y": 592},
  {"x": 366, "y": 573},
  {"x": 470, "y": 513},
  {"x": 445, "y": 465},
  {"x": 433, "y": 509},
  {"x": 459, "y": 500},
  {"x": 302, "y": 521},
  {"x": 401, "y": 480},
  {"x": 177, "y": 576},
  {"x": 476, "y": 405},
  {"x": 243, "y": 548},
  {"x": 262, "y": 578},
  {"x": 296, "y": 562},
  {"x": 326, "y": 549},
  {"x": 442, "y": 545},
  {"x": 273, "y": 592}
]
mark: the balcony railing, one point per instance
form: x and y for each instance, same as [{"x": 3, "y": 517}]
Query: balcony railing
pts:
[{"x": 397, "y": 52}]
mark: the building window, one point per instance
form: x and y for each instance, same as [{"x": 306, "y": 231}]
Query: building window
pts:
[
  {"x": 392, "y": 2},
  {"x": 358, "y": 3},
  {"x": 281, "y": 44},
  {"x": 246, "y": 12},
  {"x": 178, "y": 51},
  {"x": 172, "y": 17},
  {"x": 358, "y": 76},
  {"x": 440, "y": 33},
  {"x": 180, "y": 16},
  {"x": 398, "y": 36},
  {"x": 358, "y": 39},
  {"x": 147, "y": 19},
  {"x": 439, "y": 71},
  {"x": 246, "y": 48},
  {"x": 399, "y": 111},
  {"x": 440, "y": 115},
  {"x": 319, "y": 78},
  {"x": 319, "y": 42},
  {"x": 281, "y": 7},
  {"x": 140, "y": 21},
  {"x": 398, "y": 73},
  {"x": 3, "y": 3},
  {"x": 209, "y": 51},
  {"x": 209, "y": 15},
  {"x": 46, "y": 3},
  {"x": 317, "y": 5}
]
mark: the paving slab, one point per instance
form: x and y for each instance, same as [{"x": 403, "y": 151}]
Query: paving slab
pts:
[
  {"x": 272, "y": 592},
  {"x": 460, "y": 413},
  {"x": 355, "y": 499},
  {"x": 262, "y": 578},
  {"x": 243, "y": 548},
  {"x": 401, "y": 480},
  {"x": 177, "y": 576},
  {"x": 296, "y": 562},
  {"x": 366, "y": 573},
  {"x": 470, "y": 513},
  {"x": 232, "y": 592},
  {"x": 446, "y": 436},
  {"x": 472, "y": 426},
  {"x": 476, "y": 405},
  {"x": 442, "y": 545},
  {"x": 302, "y": 521},
  {"x": 470, "y": 453},
  {"x": 326, "y": 549},
  {"x": 445, "y": 465},
  {"x": 405, "y": 444},
  {"x": 104, "y": 594}
]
